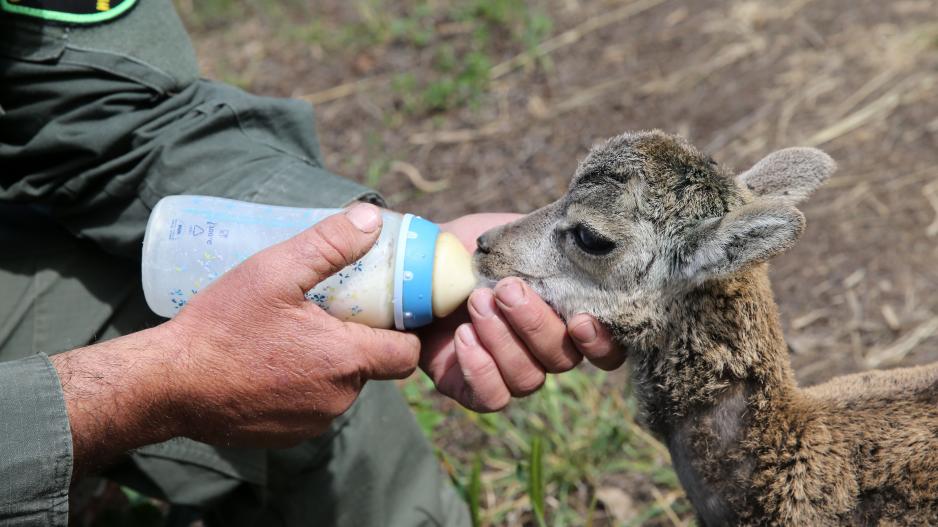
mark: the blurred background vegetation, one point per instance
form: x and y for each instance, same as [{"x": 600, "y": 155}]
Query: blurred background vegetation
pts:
[{"x": 449, "y": 107}]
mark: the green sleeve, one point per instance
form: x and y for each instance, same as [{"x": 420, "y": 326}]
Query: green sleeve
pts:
[
  {"x": 35, "y": 444},
  {"x": 99, "y": 172}
]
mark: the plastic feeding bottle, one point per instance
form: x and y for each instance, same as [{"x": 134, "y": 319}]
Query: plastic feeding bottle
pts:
[{"x": 412, "y": 274}]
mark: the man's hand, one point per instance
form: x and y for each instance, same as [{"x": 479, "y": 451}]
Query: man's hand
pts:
[
  {"x": 507, "y": 339},
  {"x": 249, "y": 361}
]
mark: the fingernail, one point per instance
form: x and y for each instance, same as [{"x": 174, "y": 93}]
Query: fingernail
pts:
[
  {"x": 466, "y": 335},
  {"x": 364, "y": 216},
  {"x": 481, "y": 302},
  {"x": 584, "y": 332},
  {"x": 510, "y": 292}
]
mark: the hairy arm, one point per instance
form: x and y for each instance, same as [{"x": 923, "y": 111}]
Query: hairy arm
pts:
[{"x": 118, "y": 396}]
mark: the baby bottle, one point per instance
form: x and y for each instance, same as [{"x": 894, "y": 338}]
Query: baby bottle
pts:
[{"x": 412, "y": 274}]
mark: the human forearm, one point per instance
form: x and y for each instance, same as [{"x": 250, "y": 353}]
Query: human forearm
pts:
[{"x": 119, "y": 395}]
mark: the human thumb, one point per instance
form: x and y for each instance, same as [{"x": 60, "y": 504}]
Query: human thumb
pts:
[{"x": 328, "y": 246}]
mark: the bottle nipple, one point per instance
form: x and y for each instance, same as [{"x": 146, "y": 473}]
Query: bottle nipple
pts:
[
  {"x": 453, "y": 277},
  {"x": 433, "y": 273}
]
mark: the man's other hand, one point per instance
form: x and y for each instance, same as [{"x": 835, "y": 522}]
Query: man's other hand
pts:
[{"x": 507, "y": 339}]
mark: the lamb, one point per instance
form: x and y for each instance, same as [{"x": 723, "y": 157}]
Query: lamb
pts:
[{"x": 669, "y": 251}]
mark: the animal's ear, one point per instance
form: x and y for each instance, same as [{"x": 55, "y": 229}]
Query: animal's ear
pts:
[
  {"x": 754, "y": 233},
  {"x": 788, "y": 175}
]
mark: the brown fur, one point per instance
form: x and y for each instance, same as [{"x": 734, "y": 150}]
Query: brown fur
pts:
[
  {"x": 708, "y": 357},
  {"x": 858, "y": 450}
]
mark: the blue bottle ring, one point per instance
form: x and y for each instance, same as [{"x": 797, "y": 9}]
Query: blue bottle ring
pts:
[{"x": 413, "y": 272}]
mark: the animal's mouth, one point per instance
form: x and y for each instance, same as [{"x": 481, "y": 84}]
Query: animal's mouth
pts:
[
  {"x": 489, "y": 273},
  {"x": 489, "y": 267},
  {"x": 487, "y": 280},
  {"x": 482, "y": 269},
  {"x": 485, "y": 275}
]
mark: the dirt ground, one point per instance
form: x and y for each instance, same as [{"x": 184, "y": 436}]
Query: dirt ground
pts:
[{"x": 857, "y": 78}]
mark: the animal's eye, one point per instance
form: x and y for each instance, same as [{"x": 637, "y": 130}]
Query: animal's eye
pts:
[{"x": 591, "y": 242}]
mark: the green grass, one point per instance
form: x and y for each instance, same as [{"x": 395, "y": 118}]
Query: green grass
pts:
[
  {"x": 456, "y": 77},
  {"x": 215, "y": 14},
  {"x": 546, "y": 455},
  {"x": 539, "y": 463}
]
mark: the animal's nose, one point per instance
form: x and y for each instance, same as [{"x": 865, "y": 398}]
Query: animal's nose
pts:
[{"x": 484, "y": 243}]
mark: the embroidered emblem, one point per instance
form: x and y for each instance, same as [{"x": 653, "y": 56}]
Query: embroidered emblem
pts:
[{"x": 69, "y": 11}]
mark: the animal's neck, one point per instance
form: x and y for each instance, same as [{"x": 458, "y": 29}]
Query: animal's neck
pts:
[
  {"x": 716, "y": 367},
  {"x": 719, "y": 342}
]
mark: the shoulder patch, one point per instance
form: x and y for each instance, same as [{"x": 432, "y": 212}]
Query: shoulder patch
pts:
[{"x": 69, "y": 11}]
